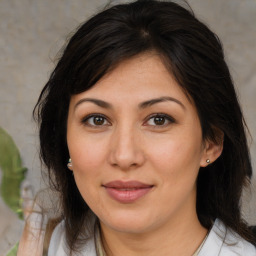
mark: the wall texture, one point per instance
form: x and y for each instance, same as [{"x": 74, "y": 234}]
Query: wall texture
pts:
[{"x": 32, "y": 31}]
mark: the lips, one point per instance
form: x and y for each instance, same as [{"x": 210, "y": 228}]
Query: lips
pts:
[{"x": 127, "y": 191}]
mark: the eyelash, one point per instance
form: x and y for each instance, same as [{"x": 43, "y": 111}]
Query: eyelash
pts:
[
  {"x": 158, "y": 115},
  {"x": 87, "y": 118}
]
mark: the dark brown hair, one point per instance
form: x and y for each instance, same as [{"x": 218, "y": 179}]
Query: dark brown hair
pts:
[{"x": 194, "y": 56}]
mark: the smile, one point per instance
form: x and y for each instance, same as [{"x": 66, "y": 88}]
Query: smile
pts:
[{"x": 127, "y": 192}]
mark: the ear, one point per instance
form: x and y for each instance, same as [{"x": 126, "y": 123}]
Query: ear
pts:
[
  {"x": 70, "y": 168},
  {"x": 212, "y": 150},
  {"x": 69, "y": 165}
]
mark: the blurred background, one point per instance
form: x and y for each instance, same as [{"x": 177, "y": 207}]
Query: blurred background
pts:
[{"x": 33, "y": 31}]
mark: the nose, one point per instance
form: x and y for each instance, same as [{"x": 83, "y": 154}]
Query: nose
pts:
[{"x": 126, "y": 149}]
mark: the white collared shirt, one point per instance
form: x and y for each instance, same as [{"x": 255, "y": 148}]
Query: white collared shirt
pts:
[{"x": 221, "y": 241}]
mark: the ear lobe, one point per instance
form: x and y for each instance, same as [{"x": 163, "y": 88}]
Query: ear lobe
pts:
[
  {"x": 69, "y": 165},
  {"x": 212, "y": 151},
  {"x": 70, "y": 168}
]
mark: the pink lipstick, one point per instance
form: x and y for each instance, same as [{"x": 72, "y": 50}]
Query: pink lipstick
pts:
[{"x": 127, "y": 191}]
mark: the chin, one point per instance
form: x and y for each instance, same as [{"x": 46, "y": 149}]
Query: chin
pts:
[{"x": 128, "y": 223}]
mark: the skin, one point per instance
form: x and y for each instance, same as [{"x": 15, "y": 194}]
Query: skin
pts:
[{"x": 129, "y": 144}]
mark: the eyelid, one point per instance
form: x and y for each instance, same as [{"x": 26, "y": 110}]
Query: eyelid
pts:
[
  {"x": 168, "y": 117},
  {"x": 86, "y": 118}
]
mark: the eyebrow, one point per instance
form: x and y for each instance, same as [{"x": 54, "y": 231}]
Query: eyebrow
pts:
[
  {"x": 97, "y": 102},
  {"x": 151, "y": 102},
  {"x": 142, "y": 105}
]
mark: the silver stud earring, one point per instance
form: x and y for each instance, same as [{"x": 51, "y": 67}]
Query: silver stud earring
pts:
[
  {"x": 69, "y": 165},
  {"x": 208, "y": 161}
]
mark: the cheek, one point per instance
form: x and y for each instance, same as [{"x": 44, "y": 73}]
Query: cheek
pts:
[
  {"x": 176, "y": 157},
  {"x": 87, "y": 154},
  {"x": 88, "y": 161}
]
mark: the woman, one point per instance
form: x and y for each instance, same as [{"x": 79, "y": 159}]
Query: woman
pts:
[{"x": 143, "y": 136}]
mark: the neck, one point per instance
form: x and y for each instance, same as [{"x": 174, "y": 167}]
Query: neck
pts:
[{"x": 174, "y": 238}]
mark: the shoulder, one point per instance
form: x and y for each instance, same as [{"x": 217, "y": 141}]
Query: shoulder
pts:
[
  {"x": 57, "y": 241},
  {"x": 224, "y": 241},
  {"x": 58, "y": 246}
]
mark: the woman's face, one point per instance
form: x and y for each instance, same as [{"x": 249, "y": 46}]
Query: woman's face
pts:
[{"x": 136, "y": 146}]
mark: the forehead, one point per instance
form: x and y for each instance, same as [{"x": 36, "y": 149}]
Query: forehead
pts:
[
  {"x": 138, "y": 78},
  {"x": 133, "y": 82}
]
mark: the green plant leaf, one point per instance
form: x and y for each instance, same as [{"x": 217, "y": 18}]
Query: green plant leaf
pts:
[
  {"x": 13, "y": 172},
  {"x": 13, "y": 251}
]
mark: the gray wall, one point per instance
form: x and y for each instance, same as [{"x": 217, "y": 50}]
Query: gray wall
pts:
[{"x": 32, "y": 31}]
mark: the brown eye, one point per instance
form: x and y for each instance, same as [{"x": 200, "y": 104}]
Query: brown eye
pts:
[
  {"x": 159, "y": 120},
  {"x": 95, "y": 120},
  {"x": 98, "y": 120}
]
